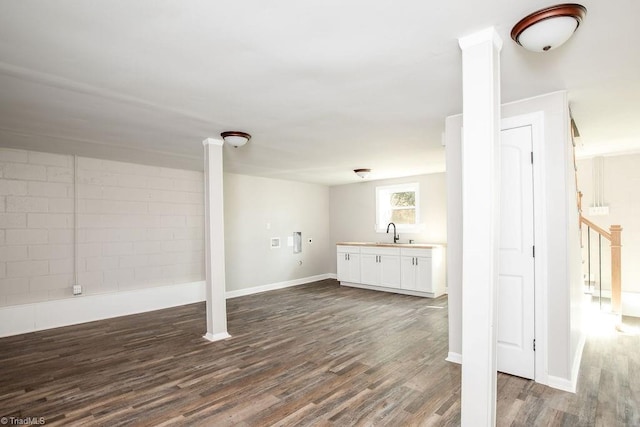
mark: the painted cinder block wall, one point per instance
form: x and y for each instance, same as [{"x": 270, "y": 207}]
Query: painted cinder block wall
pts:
[{"x": 138, "y": 226}]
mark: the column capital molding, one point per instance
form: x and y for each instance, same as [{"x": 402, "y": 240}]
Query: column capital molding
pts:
[
  {"x": 212, "y": 141},
  {"x": 482, "y": 36}
]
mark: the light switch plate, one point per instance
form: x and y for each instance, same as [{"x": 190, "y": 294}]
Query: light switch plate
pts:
[{"x": 599, "y": 210}]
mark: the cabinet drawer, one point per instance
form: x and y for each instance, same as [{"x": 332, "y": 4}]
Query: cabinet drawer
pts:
[
  {"x": 348, "y": 249},
  {"x": 413, "y": 252},
  {"x": 374, "y": 250}
]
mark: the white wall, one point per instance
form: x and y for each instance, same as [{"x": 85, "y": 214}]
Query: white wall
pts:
[
  {"x": 564, "y": 297},
  {"x": 353, "y": 212},
  {"x": 138, "y": 226},
  {"x": 257, "y": 209},
  {"x": 621, "y": 183}
]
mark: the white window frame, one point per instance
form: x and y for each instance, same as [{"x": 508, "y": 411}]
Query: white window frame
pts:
[{"x": 381, "y": 226}]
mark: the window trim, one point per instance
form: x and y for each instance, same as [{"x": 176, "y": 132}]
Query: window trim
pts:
[{"x": 404, "y": 187}]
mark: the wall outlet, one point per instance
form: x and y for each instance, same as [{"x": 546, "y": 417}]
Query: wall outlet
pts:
[{"x": 77, "y": 289}]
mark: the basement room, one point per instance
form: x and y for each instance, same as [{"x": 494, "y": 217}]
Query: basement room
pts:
[{"x": 339, "y": 214}]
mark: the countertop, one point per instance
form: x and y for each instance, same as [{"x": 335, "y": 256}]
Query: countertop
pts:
[{"x": 392, "y": 245}]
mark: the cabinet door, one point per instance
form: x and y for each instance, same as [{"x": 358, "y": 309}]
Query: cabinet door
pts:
[
  {"x": 389, "y": 271},
  {"x": 348, "y": 267},
  {"x": 423, "y": 280},
  {"x": 408, "y": 273},
  {"x": 343, "y": 267},
  {"x": 369, "y": 269},
  {"x": 353, "y": 268}
]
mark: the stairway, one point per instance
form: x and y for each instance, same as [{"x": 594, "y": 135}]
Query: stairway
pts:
[{"x": 613, "y": 235}]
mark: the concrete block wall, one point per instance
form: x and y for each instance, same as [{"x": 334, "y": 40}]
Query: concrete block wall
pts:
[{"x": 137, "y": 226}]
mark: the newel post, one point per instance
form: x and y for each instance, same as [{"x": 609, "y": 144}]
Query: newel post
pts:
[{"x": 616, "y": 268}]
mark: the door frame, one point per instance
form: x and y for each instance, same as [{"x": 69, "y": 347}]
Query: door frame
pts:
[{"x": 541, "y": 291}]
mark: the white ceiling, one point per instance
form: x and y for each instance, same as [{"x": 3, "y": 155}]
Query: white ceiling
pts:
[{"x": 323, "y": 87}]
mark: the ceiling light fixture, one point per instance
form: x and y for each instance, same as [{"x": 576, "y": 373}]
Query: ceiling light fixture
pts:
[
  {"x": 235, "y": 138},
  {"x": 548, "y": 28},
  {"x": 362, "y": 173}
]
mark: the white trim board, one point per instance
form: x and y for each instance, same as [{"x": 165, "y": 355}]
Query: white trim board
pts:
[
  {"x": 561, "y": 384},
  {"x": 552, "y": 381},
  {"x": 20, "y": 319},
  {"x": 630, "y": 301},
  {"x": 278, "y": 285},
  {"x": 631, "y": 304},
  {"x": 454, "y": 358},
  {"x": 24, "y": 318}
]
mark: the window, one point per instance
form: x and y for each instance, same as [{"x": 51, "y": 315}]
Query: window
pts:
[{"x": 398, "y": 204}]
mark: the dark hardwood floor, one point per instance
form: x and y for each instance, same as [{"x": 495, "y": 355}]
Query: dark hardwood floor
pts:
[{"x": 316, "y": 354}]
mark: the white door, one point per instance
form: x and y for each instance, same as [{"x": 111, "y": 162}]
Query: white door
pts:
[{"x": 516, "y": 331}]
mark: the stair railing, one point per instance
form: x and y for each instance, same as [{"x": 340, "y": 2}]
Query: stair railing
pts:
[{"x": 614, "y": 236}]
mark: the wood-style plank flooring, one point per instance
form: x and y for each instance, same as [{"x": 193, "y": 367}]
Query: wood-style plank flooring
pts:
[{"x": 316, "y": 354}]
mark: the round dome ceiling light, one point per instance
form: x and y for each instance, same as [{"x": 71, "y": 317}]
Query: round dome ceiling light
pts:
[
  {"x": 362, "y": 173},
  {"x": 548, "y": 28},
  {"x": 235, "y": 138}
]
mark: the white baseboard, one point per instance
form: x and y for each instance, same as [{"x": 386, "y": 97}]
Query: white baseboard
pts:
[
  {"x": 561, "y": 384},
  {"x": 391, "y": 290},
  {"x": 216, "y": 337},
  {"x": 553, "y": 382},
  {"x": 278, "y": 285},
  {"x": 630, "y": 301},
  {"x": 631, "y": 304},
  {"x": 24, "y": 318},
  {"x": 565, "y": 384},
  {"x": 454, "y": 357},
  {"x": 577, "y": 360},
  {"x": 20, "y": 319}
]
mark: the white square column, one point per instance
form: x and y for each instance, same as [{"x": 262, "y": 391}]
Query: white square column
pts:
[
  {"x": 214, "y": 241},
  {"x": 480, "y": 224}
]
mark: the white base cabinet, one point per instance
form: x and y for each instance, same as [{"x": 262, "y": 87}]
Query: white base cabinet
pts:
[
  {"x": 349, "y": 264},
  {"x": 416, "y": 274},
  {"x": 400, "y": 269},
  {"x": 380, "y": 266}
]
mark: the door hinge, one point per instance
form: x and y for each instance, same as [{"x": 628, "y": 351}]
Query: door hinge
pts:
[
  {"x": 532, "y": 157},
  {"x": 533, "y": 250},
  {"x": 534, "y": 344}
]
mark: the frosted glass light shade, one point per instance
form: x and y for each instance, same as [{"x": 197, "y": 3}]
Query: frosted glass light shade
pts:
[
  {"x": 237, "y": 139},
  {"x": 548, "y": 34},
  {"x": 548, "y": 28},
  {"x": 362, "y": 173}
]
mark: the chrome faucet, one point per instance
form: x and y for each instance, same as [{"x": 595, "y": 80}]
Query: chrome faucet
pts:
[{"x": 396, "y": 236}]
